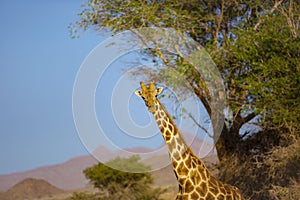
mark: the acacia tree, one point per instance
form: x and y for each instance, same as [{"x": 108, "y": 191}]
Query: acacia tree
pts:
[
  {"x": 256, "y": 47},
  {"x": 123, "y": 184}
]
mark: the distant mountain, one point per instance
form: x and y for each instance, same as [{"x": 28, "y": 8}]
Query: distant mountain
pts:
[
  {"x": 69, "y": 176},
  {"x": 200, "y": 147},
  {"x": 29, "y": 189},
  {"x": 66, "y": 176}
]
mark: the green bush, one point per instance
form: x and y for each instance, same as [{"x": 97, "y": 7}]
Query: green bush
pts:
[
  {"x": 84, "y": 196},
  {"x": 116, "y": 184}
]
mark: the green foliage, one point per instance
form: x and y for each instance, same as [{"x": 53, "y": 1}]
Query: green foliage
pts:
[
  {"x": 102, "y": 175},
  {"x": 123, "y": 184},
  {"x": 84, "y": 196},
  {"x": 263, "y": 73}
]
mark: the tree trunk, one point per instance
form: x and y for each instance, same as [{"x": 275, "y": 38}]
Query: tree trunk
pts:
[{"x": 227, "y": 143}]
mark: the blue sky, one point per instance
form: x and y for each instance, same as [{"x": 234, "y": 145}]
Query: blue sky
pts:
[{"x": 38, "y": 67}]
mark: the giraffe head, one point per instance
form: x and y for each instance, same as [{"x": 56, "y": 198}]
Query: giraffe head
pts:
[{"x": 149, "y": 95}]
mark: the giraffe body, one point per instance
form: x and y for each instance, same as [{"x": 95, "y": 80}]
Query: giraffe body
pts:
[{"x": 194, "y": 180}]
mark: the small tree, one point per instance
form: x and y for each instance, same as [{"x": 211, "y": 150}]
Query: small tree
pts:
[{"x": 124, "y": 183}]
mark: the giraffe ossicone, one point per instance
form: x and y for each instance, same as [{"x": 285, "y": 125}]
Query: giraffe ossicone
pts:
[{"x": 194, "y": 180}]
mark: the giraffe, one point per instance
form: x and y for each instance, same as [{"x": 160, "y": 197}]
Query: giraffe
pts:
[{"x": 194, "y": 179}]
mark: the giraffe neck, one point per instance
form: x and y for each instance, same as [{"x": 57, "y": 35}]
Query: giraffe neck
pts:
[
  {"x": 166, "y": 125},
  {"x": 179, "y": 151},
  {"x": 195, "y": 181}
]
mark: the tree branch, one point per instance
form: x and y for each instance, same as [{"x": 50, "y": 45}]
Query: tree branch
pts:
[
  {"x": 200, "y": 126},
  {"x": 289, "y": 14},
  {"x": 219, "y": 21},
  {"x": 249, "y": 117},
  {"x": 271, "y": 11},
  {"x": 245, "y": 134}
]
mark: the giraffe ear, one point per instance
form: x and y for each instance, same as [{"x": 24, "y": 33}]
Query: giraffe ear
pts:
[
  {"x": 138, "y": 93},
  {"x": 159, "y": 90}
]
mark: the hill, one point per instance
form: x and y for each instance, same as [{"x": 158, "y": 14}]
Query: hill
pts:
[
  {"x": 30, "y": 189},
  {"x": 69, "y": 176}
]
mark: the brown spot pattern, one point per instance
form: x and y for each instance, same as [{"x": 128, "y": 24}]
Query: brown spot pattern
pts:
[
  {"x": 194, "y": 195},
  {"x": 188, "y": 186},
  {"x": 203, "y": 189},
  {"x": 195, "y": 182}
]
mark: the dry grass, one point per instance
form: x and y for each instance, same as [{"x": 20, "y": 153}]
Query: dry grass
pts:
[{"x": 273, "y": 174}]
